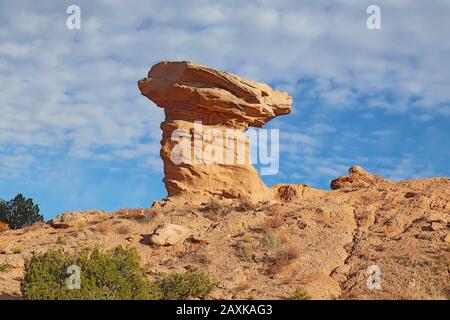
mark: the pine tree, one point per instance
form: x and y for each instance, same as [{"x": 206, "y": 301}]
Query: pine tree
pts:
[{"x": 19, "y": 212}]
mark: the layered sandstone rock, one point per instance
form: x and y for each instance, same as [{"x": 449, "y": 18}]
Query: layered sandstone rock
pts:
[
  {"x": 357, "y": 178},
  {"x": 214, "y": 108},
  {"x": 76, "y": 218}
]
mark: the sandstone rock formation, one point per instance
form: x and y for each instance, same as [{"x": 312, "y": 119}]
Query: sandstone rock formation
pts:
[
  {"x": 321, "y": 241},
  {"x": 169, "y": 234},
  {"x": 357, "y": 178},
  {"x": 220, "y": 165},
  {"x": 76, "y": 218}
]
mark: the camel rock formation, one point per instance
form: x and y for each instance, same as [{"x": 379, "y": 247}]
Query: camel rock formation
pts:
[
  {"x": 322, "y": 242},
  {"x": 214, "y": 109}
]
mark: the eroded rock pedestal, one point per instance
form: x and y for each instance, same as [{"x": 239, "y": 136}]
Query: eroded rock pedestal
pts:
[{"x": 204, "y": 149}]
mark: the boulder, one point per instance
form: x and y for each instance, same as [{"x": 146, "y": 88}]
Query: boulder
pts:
[{"x": 169, "y": 234}]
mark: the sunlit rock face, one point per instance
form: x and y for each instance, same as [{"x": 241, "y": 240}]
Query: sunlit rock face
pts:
[{"x": 204, "y": 147}]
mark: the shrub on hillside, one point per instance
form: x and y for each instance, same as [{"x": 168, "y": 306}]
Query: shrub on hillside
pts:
[
  {"x": 19, "y": 212},
  {"x": 300, "y": 294},
  {"x": 112, "y": 275},
  {"x": 178, "y": 286}
]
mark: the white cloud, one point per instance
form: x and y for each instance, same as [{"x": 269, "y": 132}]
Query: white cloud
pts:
[{"x": 75, "y": 90}]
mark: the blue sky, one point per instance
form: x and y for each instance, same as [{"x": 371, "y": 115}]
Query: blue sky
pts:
[{"x": 75, "y": 133}]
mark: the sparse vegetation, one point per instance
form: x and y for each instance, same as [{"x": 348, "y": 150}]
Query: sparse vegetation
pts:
[
  {"x": 62, "y": 240},
  {"x": 123, "y": 229},
  {"x": 273, "y": 223},
  {"x": 195, "y": 283},
  {"x": 265, "y": 205},
  {"x": 17, "y": 249},
  {"x": 245, "y": 248},
  {"x": 81, "y": 225},
  {"x": 300, "y": 294},
  {"x": 5, "y": 267},
  {"x": 245, "y": 251},
  {"x": 245, "y": 204},
  {"x": 215, "y": 211},
  {"x": 281, "y": 259},
  {"x": 103, "y": 228},
  {"x": 19, "y": 212},
  {"x": 289, "y": 254},
  {"x": 115, "y": 275},
  {"x": 270, "y": 239},
  {"x": 212, "y": 207}
]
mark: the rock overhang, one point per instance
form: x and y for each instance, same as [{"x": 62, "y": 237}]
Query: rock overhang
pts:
[{"x": 192, "y": 92}]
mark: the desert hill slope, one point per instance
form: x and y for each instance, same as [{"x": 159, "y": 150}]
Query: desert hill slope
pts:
[{"x": 321, "y": 241}]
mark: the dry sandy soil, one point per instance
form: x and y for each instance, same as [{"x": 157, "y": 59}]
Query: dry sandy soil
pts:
[{"x": 321, "y": 241}]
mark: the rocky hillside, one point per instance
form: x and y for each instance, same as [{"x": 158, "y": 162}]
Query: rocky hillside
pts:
[
  {"x": 367, "y": 238},
  {"x": 320, "y": 241}
]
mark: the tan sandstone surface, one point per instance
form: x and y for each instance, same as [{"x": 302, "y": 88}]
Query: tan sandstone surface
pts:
[
  {"x": 258, "y": 242},
  {"x": 223, "y": 103},
  {"x": 322, "y": 241}
]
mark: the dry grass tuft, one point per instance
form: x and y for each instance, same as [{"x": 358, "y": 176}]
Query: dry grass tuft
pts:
[
  {"x": 123, "y": 229},
  {"x": 62, "y": 240},
  {"x": 245, "y": 204},
  {"x": 300, "y": 294},
  {"x": 103, "y": 228},
  {"x": 17, "y": 249},
  {"x": 4, "y": 268},
  {"x": 245, "y": 251},
  {"x": 273, "y": 223},
  {"x": 81, "y": 225},
  {"x": 215, "y": 211},
  {"x": 270, "y": 239},
  {"x": 282, "y": 258}
]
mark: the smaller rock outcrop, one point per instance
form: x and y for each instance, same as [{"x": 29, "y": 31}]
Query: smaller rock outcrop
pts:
[
  {"x": 75, "y": 218},
  {"x": 357, "y": 178}
]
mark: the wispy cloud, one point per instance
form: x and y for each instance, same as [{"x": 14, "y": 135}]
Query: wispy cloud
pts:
[{"x": 72, "y": 93}]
